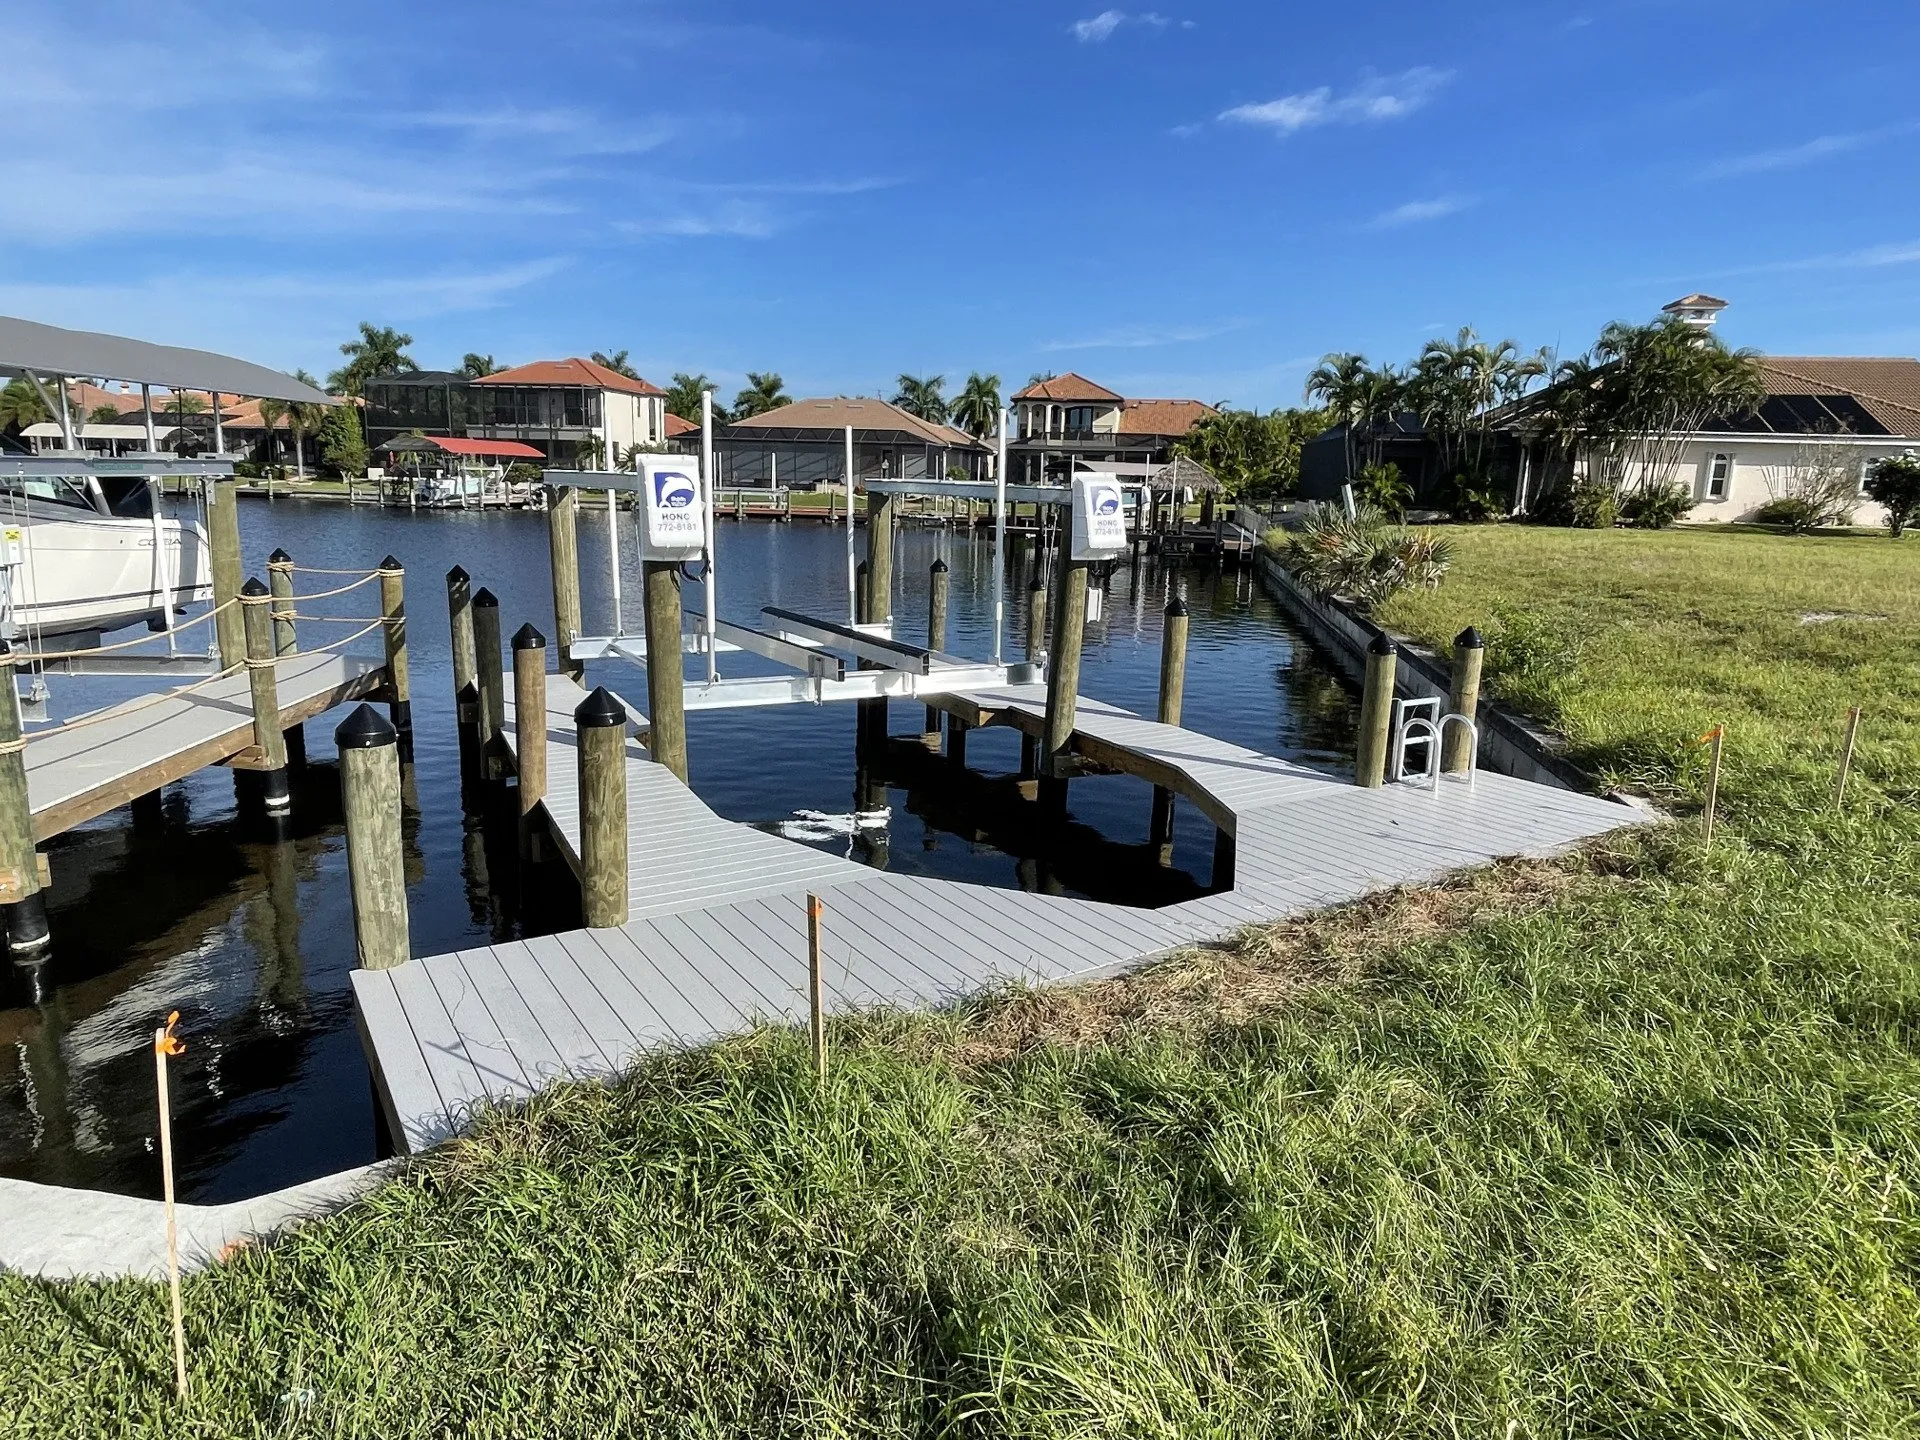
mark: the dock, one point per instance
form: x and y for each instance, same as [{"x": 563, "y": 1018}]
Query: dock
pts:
[
  {"x": 110, "y": 758},
  {"x": 717, "y": 944}
]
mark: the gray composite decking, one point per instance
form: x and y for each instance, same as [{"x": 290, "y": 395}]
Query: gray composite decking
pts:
[
  {"x": 717, "y": 939},
  {"x": 104, "y": 760}
]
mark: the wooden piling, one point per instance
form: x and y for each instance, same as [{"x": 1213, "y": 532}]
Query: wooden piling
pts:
[
  {"x": 880, "y": 512},
  {"x": 276, "y": 796},
  {"x": 530, "y": 729},
  {"x": 490, "y": 711},
  {"x": 1173, "y": 688},
  {"x": 937, "y": 585},
  {"x": 1036, "y": 652},
  {"x": 460, "y": 628},
  {"x": 286, "y": 641},
  {"x": 21, "y": 895},
  {"x": 1063, "y": 680},
  {"x": 563, "y": 553},
  {"x": 600, "y": 724},
  {"x": 370, "y": 797},
  {"x": 1376, "y": 714},
  {"x": 1463, "y": 698},
  {"x": 393, "y": 607},
  {"x": 223, "y": 545},
  {"x": 666, "y": 672},
  {"x": 870, "y": 716}
]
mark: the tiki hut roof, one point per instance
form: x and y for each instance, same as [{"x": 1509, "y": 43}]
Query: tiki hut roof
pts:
[{"x": 1180, "y": 473}]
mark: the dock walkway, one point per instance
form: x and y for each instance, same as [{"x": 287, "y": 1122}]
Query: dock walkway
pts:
[
  {"x": 717, "y": 942},
  {"x": 108, "y": 759}
]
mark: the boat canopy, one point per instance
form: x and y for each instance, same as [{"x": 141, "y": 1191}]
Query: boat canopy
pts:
[
  {"x": 459, "y": 445},
  {"x": 26, "y": 346}
]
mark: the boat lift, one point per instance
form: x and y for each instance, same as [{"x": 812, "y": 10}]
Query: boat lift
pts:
[{"x": 810, "y": 646}]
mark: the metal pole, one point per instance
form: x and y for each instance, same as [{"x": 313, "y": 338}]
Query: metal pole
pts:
[
  {"x": 20, "y": 893},
  {"x": 66, "y": 415},
  {"x": 370, "y": 795},
  {"x": 666, "y": 675},
  {"x": 600, "y": 725},
  {"x": 256, "y": 609},
  {"x": 1173, "y": 686},
  {"x": 563, "y": 554},
  {"x": 1718, "y": 736},
  {"x": 999, "y": 545},
  {"x": 491, "y": 718},
  {"x": 1463, "y": 698},
  {"x": 853, "y": 581},
  {"x": 1846, "y": 757},
  {"x": 219, "y": 426},
  {"x": 613, "y": 561},
  {"x": 393, "y": 605},
  {"x": 712, "y": 621},
  {"x": 1376, "y": 713},
  {"x": 146, "y": 411}
]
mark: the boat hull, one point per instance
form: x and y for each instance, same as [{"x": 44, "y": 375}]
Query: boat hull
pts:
[{"x": 99, "y": 573}]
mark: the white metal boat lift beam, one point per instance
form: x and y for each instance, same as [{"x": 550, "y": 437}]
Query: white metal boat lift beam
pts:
[
  {"x": 980, "y": 490},
  {"x": 151, "y": 466}
]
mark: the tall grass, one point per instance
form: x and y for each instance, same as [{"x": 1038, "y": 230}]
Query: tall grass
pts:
[{"x": 1624, "y": 1145}]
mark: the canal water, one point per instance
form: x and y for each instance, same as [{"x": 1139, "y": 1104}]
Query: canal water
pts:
[{"x": 251, "y": 937}]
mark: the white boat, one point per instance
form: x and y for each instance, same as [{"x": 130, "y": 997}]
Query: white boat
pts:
[{"x": 86, "y": 554}]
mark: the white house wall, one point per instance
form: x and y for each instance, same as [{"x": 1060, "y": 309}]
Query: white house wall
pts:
[{"x": 1761, "y": 466}]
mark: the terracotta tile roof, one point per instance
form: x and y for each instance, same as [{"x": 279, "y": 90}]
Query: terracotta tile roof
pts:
[
  {"x": 1696, "y": 301},
  {"x": 1888, "y": 388},
  {"x": 838, "y": 412},
  {"x": 1162, "y": 417},
  {"x": 570, "y": 372},
  {"x": 676, "y": 426},
  {"x": 1067, "y": 387}
]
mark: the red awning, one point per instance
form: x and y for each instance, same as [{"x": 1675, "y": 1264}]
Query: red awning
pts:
[{"x": 513, "y": 449}]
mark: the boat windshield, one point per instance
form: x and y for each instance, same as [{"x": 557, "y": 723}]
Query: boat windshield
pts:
[
  {"x": 59, "y": 489},
  {"x": 128, "y": 496}
]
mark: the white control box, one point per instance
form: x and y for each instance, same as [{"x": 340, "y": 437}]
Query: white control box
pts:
[
  {"x": 673, "y": 513},
  {"x": 1099, "y": 518}
]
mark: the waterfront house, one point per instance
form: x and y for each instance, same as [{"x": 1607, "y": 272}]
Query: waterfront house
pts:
[
  {"x": 575, "y": 412},
  {"x": 1067, "y": 420},
  {"x": 803, "y": 445}
]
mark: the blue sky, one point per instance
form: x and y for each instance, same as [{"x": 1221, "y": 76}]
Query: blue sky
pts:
[{"x": 1198, "y": 199}]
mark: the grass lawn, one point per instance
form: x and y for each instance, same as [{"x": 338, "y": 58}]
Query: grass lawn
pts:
[{"x": 1623, "y": 1144}]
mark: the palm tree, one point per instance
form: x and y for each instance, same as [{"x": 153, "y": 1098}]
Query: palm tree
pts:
[
  {"x": 302, "y": 417},
  {"x": 21, "y": 405},
  {"x": 976, "y": 409},
  {"x": 920, "y": 395},
  {"x": 765, "y": 391},
  {"x": 683, "y": 397},
  {"x": 478, "y": 366},
  {"x": 103, "y": 415},
  {"x": 378, "y": 351},
  {"x": 616, "y": 362},
  {"x": 1340, "y": 382}
]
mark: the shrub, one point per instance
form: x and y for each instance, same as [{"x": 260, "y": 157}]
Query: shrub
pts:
[
  {"x": 1364, "y": 557},
  {"x": 522, "y": 473},
  {"x": 1581, "y": 504},
  {"x": 1894, "y": 482},
  {"x": 1382, "y": 487},
  {"x": 1654, "y": 507},
  {"x": 248, "y": 470},
  {"x": 1475, "y": 498},
  {"x": 1818, "y": 485},
  {"x": 1797, "y": 513}
]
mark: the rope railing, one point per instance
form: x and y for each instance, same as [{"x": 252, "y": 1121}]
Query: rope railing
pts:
[{"x": 40, "y": 657}]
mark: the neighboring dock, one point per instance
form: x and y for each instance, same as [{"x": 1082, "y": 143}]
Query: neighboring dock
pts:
[{"x": 717, "y": 940}]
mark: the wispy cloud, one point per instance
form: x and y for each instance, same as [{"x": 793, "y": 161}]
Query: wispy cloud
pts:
[
  {"x": 1792, "y": 157},
  {"x": 1098, "y": 28},
  {"x": 1415, "y": 212},
  {"x": 1374, "y": 99},
  {"x": 565, "y": 131},
  {"x": 1143, "y": 337}
]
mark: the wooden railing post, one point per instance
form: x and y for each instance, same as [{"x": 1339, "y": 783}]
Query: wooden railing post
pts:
[
  {"x": 1376, "y": 714},
  {"x": 936, "y": 640},
  {"x": 224, "y": 567},
  {"x": 370, "y": 795},
  {"x": 393, "y": 606},
  {"x": 489, "y": 684},
  {"x": 1173, "y": 687},
  {"x": 530, "y": 729},
  {"x": 466, "y": 695},
  {"x": 286, "y": 641},
  {"x": 1463, "y": 698},
  {"x": 563, "y": 553},
  {"x": 666, "y": 673}
]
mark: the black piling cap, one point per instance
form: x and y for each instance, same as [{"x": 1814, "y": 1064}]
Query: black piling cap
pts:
[
  {"x": 599, "y": 710},
  {"x": 484, "y": 597},
  {"x": 365, "y": 729},
  {"x": 457, "y": 576},
  {"x": 391, "y": 564},
  {"x": 253, "y": 586},
  {"x": 279, "y": 557},
  {"x": 1382, "y": 645},
  {"x": 528, "y": 638},
  {"x": 939, "y": 567},
  {"x": 1176, "y": 606},
  {"x": 1469, "y": 639}
]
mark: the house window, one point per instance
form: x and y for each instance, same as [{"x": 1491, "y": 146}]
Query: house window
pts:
[
  {"x": 1080, "y": 417},
  {"x": 1719, "y": 471}
]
